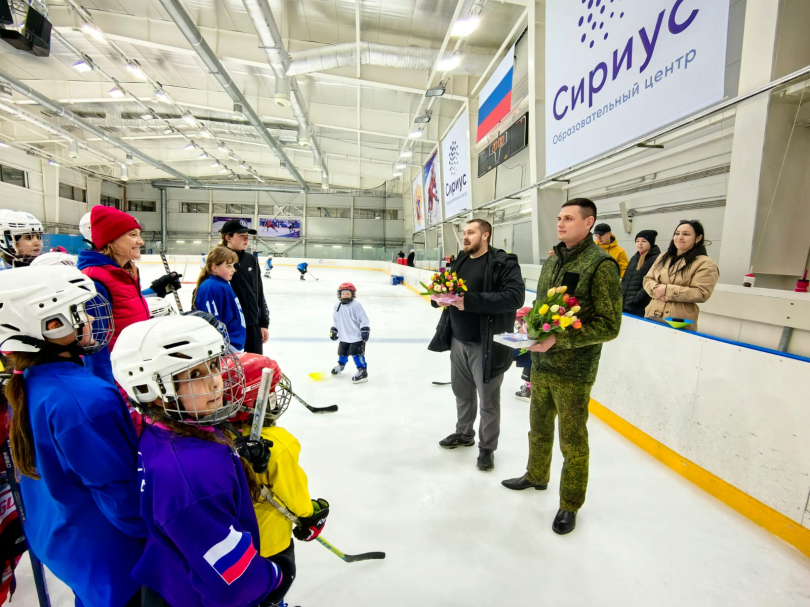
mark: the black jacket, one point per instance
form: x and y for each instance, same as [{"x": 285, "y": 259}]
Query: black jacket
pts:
[
  {"x": 411, "y": 257},
  {"x": 634, "y": 298},
  {"x": 503, "y": 294},
  {"x": 247, "y": 284}
]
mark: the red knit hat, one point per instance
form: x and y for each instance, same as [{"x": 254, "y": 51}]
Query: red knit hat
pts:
[{"x": 107, "y": 224}]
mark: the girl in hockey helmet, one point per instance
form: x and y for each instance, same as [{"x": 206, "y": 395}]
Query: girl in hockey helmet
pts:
[
  {"x": 350, "y": 324},
  {"x": 524, "y": 361},
  {"x": 71, "y": 436},
  {"x": 20, "y": 239},
  {"x": 196, "y": 494}
]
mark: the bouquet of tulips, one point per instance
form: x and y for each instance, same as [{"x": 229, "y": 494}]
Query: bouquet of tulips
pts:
[
  {"x": 554, "y": 315},
  {"x": 445, "y": 286}
]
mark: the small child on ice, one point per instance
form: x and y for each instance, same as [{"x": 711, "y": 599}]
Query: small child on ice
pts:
[
  {"x": 268, "y": 266},
  {"x": 351, "y": 326},
  {"x": 524, "y": 361},
  {"x": 302, "y": 267},
  {"x": 215, "y": 295}
]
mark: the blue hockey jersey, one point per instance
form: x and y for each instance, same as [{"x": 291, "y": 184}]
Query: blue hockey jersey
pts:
[{"x": 216, "y": 296}]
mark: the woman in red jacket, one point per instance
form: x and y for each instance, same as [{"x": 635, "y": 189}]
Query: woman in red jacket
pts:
[{"x": 117, "y": 236}]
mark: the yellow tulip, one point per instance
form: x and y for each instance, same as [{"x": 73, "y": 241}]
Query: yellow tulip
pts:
[
  {"x": 562, "y": 289},
  {"x": 569, "y": 314},
  {"x": 576, "y": 309},
  {"x": 543, "y": 309},
  {"x": 551, "y": 292},
  {"x": 463, "y": 287},
  {"x": 555, "y": 317},
  {"x": 555, "y": 308}
]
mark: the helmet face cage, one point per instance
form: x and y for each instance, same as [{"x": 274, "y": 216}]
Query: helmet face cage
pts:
[
  {"x": 190, "y": 394},
  {"x": 97, "y": 312},
  {"x": 283, "y": 395}
]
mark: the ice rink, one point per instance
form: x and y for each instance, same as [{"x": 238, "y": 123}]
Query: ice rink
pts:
[{"x": 453, "y": 535}]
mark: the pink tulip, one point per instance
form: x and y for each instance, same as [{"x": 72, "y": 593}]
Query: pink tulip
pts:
[{"x": 546, "y": 327}]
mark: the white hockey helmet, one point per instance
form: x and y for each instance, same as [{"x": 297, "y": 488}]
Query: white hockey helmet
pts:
[
  {"x": 84, "y": 227},
  {"x": 32, "y": 297},
  {"x": 54, "y": 259},
  {"x": 159, "y": 306},
  {"x": 13, "y": 225},
  {"x": 182, "y": 361}
]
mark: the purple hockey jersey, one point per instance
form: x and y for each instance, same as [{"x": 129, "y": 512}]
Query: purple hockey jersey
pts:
[{"x": 203, "y": 544}]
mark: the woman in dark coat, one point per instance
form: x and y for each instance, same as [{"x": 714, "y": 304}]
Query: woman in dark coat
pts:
[{"x": 633, "y": 295}]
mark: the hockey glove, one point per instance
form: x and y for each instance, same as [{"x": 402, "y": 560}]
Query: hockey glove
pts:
[
  {"x": 333, "y": 334},
  {"x": 166, "y": 284},
  {"x": 364, "y": 333},
  {"x": 287, "y": 566},
  {"x": 310, "y": 527},
  {"x": 257, "y": 453}
]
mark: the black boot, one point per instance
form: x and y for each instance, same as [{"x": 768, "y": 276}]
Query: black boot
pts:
[
  {"x": 565, "y": 522},
  {"x": 486, "y": 460},
  {"x": 519, "y": 484},
  {"x": 456, "y": 440}
]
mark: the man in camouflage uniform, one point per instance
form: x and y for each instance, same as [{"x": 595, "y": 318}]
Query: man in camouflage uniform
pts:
[{"x": 564, "y": 365}]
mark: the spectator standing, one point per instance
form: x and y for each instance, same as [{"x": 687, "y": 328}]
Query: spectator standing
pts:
[
  {"x": 247, "y": 284},
  {"x": 401, "y": 255},
  {"x": 634, "y": 297},
  {"x": 565, "y": 364},
  {"x": 682, "y": 277},
  {"x": 411, "y": 258},
  {"x": 495, "y": 292},
  {"x": 604, "y": 237}
]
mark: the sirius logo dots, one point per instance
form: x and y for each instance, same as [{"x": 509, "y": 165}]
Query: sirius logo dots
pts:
[
  {"x": 453, "y": 157},
  {"x": 595, "y": 23}
]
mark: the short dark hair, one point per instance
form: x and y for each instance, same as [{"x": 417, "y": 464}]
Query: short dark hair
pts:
[
  {"x": 484, "y": 226},
  {"x": 586, "y": 207}
]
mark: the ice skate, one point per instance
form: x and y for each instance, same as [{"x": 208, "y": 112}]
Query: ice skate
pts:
[
  {"x": 525, "y": 392},
  {"x": 338, "y": 369},
  {"x": 361, "y": 376}
]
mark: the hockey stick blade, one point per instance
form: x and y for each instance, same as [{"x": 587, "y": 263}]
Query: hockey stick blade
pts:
[
  {"x": 329, "y": 409},
  {"x": 441, "y": 383},
  {"x": 366, "y": 556}
]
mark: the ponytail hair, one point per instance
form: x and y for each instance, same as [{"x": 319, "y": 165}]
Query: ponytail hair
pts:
[
  {"x": 216, "y": 256},
  {"x": 20, "y": 434}
]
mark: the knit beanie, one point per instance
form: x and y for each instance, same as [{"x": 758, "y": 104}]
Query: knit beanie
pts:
[
  {"x": 107, "y": 224},
  {"x": 648, "y": 235}
]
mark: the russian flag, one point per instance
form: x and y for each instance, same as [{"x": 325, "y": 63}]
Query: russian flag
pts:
[
  {"x": 495, "y": 100},
  {"x": 230, "y": 557}
]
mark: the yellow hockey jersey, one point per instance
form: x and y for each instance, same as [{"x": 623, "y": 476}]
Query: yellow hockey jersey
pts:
[{"x": 288, "y": 482}]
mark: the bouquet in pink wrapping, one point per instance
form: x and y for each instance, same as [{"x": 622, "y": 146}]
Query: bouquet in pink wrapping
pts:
[{"x": 445, "y": 287}]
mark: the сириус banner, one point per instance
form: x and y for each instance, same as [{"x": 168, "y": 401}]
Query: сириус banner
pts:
[
  {"x": 456, "y": 168},
  {"x": 418, "y": 204},
  {"x": 616, "y": 70},
  {"x": 432, "y": 191}
]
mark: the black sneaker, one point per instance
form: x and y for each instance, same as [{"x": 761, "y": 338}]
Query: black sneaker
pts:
[
  {"x": 456, "y": 440},
  {"x": 525, "y": 393},
  {"x": 486, "y": 460},
  {"x": 338, "y": 369},
  {"x": 361, "y": 376}
]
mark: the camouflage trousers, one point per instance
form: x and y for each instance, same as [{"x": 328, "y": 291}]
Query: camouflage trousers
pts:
[{"x": 566, "y": 398}]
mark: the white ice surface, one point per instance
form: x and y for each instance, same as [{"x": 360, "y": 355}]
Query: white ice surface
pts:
[{"x": 453, "y": 535}]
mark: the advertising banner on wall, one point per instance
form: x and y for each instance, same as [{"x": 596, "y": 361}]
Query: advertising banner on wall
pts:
[
  {"x": 418, "y": 204},
  {"x": 629, "y": 68},
  {"x": 456, "y": 168},
  {"x": 275, "y": 227},
  {"x": 432, "y": 191},
  {"x": 219, "y": 221}
]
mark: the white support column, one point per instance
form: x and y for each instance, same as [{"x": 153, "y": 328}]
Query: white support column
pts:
[
  {"x": 50, "y": 192},
  {"x": 742, "y": 197},
  {"x": 537, "y": 130}
]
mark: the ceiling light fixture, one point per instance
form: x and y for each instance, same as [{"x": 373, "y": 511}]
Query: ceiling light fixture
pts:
[
  {"x": 424, "y": 118},
  {"x": 161, "y": 95},
  {"x": 401, "y": 166},
  {"x": 449, "y": 64},
  {"x": 3, "y": 144},
  {"x": 415, "y": 134},
  {"x": 115, "y": 92},
  {"x": 52, "y": 162},
  {"x": 124, "y": 173},
  {"x": 205, "y": 133},
  {"x": 464, "y": 27},
  {"x": 191, "y": 145},
  {"x": 85, "y": 64},
  {"x": 397, "y": 175},
  {"x": 168, "y": 130},
  {"x": 222, "y": 147},
  {"x": 524, "y": 211},
  {"x": 282, "y": 96},
  {"x": 92, "y": 31},
  {"x": 189, "y": 119},
  {"x": 147, "y": 117},
  {"x": 304, "y": 136},
  {"x": 134, "y": 68},
  {"x": 436, "y": 91},
  {"x": 203, "y": 156},
  {"x": 215, "y": 164},
  {"x": 406, "y": 154},
  {"x": 223, "y": 169}
]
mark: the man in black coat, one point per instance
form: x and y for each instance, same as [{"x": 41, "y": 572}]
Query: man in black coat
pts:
[
  {"x": 634, "y": 296},
  {"x": 411, "y": 258},
  {"x": 247, "y": 284},
  {"x": 467, "y": 327}
]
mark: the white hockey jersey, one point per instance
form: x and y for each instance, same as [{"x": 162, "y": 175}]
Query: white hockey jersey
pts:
[{"x": 349, "y": 319}]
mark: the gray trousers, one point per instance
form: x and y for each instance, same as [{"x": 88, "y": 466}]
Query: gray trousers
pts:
[{"x": 467, "y": 379}]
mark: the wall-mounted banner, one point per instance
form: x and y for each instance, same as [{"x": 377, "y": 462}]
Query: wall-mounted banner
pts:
[
  {"x": 618, "y": 70},
  {"x": 218, "y": 222},
  {"x": 433, "y": 189},
  {"x": 495, "y": 99},
  {"x": 279, "y": 227},
  {"x": 418, "y": 204},
  {"x": 456, "y": 167}
]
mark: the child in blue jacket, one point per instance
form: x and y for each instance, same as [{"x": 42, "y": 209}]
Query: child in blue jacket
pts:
[
  {"x": 215, "y": 295},
  {"x": 203, "y": 547},
  {"x": 72, "y": 438},
  {"x": 302, "y": 267}
]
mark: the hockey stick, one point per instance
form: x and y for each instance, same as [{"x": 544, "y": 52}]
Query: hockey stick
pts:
[
  {"x": 349, "y": 558},
  {"x": 329, "y": 409},
  {"x": 260, "y": 408},
  {"x": 313, "y": 276},
  {"x": 441, "y": 383},
  {"x": 169, "y": 271}
]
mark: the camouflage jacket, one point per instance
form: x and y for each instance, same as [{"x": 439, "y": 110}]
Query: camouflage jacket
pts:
[{"x": 592, "y": 276}]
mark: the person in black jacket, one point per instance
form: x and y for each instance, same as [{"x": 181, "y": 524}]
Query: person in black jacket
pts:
[
  {"x": 467, "y": 327},
  {"x": 634, "y": 297},
  {"x": 411, "y": 258},
  {"x": 247, "y": 284}
]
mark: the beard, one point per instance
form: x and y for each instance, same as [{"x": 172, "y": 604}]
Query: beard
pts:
[{"x": 473, "y": 249}]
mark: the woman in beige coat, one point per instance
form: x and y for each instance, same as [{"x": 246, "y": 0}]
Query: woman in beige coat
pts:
[{"x": 682, "y": 277}]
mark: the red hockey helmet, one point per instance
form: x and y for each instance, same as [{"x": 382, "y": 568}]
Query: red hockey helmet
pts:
[
  {"x": 347, "y": 286},
  {"x": 280, "y": 389}
]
